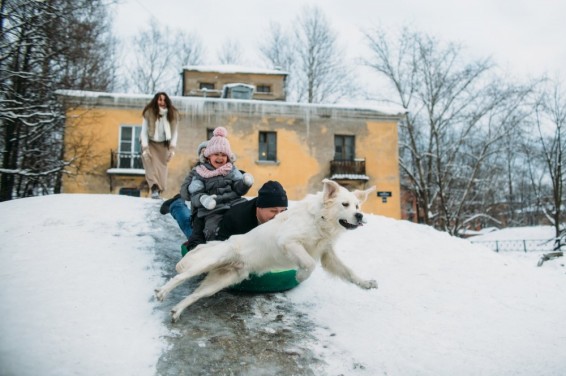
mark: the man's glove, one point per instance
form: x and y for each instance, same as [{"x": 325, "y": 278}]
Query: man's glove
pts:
[
  {"x": 248, "y": 179},
  {"x": 209, "y": 202}
]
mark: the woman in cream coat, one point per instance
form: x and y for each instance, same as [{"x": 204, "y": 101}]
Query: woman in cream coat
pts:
[{"x": 158, "y": 140}]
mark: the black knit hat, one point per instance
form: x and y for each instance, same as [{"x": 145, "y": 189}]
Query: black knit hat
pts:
[{"x": 272, "y": 195}]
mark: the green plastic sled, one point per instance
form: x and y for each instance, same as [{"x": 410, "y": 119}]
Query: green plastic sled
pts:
[{"x": 273, "y": 281}]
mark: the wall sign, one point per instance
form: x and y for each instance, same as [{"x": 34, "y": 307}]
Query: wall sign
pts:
[{"x": 384, "y": 195}]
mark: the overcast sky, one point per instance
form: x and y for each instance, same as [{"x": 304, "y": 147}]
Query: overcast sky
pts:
[{"x": 524, "y": 36}]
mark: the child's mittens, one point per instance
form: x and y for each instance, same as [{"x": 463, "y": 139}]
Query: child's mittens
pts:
[
  {"x": 248, "y": 179},
  {"x": 209, "y": 202}
]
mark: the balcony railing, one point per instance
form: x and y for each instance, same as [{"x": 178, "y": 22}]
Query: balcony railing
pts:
[
  {"x": 355, "y": 167},
  {"x": 125, "y": 160}
]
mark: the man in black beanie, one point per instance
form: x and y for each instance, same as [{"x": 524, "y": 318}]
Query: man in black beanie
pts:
[{"x": 243, "y": 217}]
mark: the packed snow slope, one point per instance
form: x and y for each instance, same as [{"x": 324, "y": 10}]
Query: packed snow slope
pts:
[{"x": 77, "y": 274}]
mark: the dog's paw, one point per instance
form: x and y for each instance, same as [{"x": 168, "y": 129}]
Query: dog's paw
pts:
[
  {"x": 302, "y": 274},
  {"x": 175, "y": 316},
  {"x": 369, "y": 284},
  {"x": 160, "y": 294}
]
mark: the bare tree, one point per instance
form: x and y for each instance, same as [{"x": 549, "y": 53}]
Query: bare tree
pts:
[
  {"x": 550, "y": 120},
  {"x": 495, "y": 150},
  {"x": 277, "y": 48},
  {"x": 322, "y": 74},
  {"x": 89, "y": 61},
  {"x": 457, "y": 118},
  {"x": 190, "y": 51},
  {"x": 153, "y": 57},
  {"x": 277, "y": 51},
  {"x": 230, "y": 52},
  {"x": 46, "y": 46},
  {"x": 158, "y": 56},
  {"x": 311, "y": 54}
]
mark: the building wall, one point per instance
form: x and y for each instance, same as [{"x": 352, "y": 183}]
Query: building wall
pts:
[
  {"x": 100, "y": 127},
  {"x": 193, "y": 79},
  {"x": 305, "y": 143}
]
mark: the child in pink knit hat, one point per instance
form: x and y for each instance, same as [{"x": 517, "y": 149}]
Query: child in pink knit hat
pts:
[
  {"x": 216, "y": 186},
  {"x": 218, "y": 143}
]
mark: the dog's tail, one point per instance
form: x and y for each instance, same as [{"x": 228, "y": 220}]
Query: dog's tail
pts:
[{"x": 205, "y": 257}]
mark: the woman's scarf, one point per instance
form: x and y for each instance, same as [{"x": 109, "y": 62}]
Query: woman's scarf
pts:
[{"x": 162, "y": 124}]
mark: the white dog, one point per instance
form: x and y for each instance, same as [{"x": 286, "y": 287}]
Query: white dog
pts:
[{"x": 294, "y": 239}]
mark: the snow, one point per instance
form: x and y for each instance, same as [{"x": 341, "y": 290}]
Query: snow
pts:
[
  {"x": 196, "y": 103},
  {"x": 74, "y": 293},
  {"x": 519, "y": 233},
  {"x": 233, "y": 68},
  {"x": 76, "y": 297},
  {"x": 126, "y": 171},
  {"x": 539, "y": 238},
  {"x": 237, "y": 84},
  {"x": 97, "y": 94},
  {"x": 349, "y": 177}
]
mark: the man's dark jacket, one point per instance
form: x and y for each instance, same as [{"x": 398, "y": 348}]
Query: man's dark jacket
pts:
[{"x": 239, "y": 219}]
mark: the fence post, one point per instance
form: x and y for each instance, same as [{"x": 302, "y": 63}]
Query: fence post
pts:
[
  {"x": 525, "y": 245},
  {"x": 497, "y": 246}
]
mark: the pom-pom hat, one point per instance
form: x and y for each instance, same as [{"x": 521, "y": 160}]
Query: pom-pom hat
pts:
[
  {"x": 272, "y": 195},
  {"x": 218, "y": 143}
]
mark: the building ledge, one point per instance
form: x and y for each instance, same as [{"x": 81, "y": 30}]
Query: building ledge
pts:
[
  {"x": 126, "y": 171},
  {"x": 268, "y": 163}
]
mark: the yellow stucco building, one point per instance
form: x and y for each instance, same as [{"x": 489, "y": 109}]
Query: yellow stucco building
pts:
[{"x": 296, "y": 144}]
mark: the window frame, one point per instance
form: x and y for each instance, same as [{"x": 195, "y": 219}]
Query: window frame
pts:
[
  {"x": 261, "y": 89},
  {"x": 129, "y": 159},
  {"x": 267, "y": 146},
  {"x": 209, "y": 133},
  {"x": 206, "y": 86},
  {"x": 348, "y": 149}
]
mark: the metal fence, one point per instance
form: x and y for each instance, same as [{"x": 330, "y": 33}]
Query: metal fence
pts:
[
  {"x": 125, "y": 160},
  {"x": 541, "y": 245},
  {"x": 356, "y": 167}
]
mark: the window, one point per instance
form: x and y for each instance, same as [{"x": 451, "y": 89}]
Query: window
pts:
[
  {"x": 268, "y": 146},
  {"x": 129, "y": 153},
  {"x": 263, "y": 89},
  {"x": 134, "y": 192},
  {"x": 344, "y": 148},
  {"x": 238, "y": 91},
  {"x": 209, "y": 133},
  {"x": 206, "y": 86}
]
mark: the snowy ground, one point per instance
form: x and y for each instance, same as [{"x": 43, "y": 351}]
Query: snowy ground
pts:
[{"x": 77, "y": 274}]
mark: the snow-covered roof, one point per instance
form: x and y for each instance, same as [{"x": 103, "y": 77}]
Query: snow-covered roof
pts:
[
  {"x": 236, "y": 84},
  {"x": 387, "y": 107},
  {"x": 101, "y": 94},
  {"x": 232, "y": 68},
  {"x": 367, "y": 109}
]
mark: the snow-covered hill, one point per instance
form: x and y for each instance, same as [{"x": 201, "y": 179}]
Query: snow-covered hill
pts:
[{"x": 77, "y": 274}]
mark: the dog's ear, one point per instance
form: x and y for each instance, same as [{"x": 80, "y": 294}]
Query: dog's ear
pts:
[
  {"x": 363, "y": 195},
  {"x": 330, "y": 189}
]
